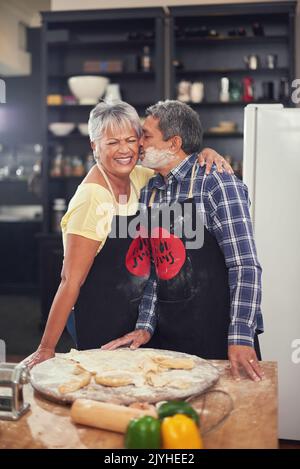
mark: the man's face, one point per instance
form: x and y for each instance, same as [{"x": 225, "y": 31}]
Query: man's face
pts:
[
  {"x": 155, "y": 151},
  {"x": 152, "y": 136}
]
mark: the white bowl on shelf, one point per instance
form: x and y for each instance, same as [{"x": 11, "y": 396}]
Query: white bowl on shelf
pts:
[
  {"x": 83, "y": 129},
  {"x": 88, "y": 89},
  {"x": 61, "y": 129}
]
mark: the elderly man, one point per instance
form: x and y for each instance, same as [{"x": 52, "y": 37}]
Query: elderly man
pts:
[{"x": 207, "y": 300}]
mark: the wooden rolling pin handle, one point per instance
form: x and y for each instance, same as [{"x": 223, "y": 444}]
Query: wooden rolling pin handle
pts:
[{"x": 106, "y": 416}]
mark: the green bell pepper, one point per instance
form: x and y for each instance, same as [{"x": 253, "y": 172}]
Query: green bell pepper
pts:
[
  {"x": 177, "y": 407},
  {"x": 143, "y": 433}
]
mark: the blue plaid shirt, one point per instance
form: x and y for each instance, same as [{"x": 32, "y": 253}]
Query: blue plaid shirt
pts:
[{"x": 224, "y": 204}]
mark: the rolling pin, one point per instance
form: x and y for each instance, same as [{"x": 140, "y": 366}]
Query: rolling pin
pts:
[{"x": 106, "y": 416}]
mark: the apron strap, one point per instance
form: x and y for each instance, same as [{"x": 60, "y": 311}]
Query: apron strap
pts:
[
  {"x": 190, "y": 195},
  {"x": 152, "y": 198},
  {"x": 193, "y": 177},
  {"x": 110, "y": 188}
]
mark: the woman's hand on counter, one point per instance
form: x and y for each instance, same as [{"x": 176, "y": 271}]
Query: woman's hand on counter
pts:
[
  {"x": 136, "y": 339},
  {"x": 40, "y": 355}
]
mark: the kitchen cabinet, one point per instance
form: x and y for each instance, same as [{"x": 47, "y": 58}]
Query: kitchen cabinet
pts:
[
  {"x": 116, "y": 42},
  {"x": 210, "y": 42},
  {"x": 19, "y": 255},
  {"x": 251, "y": 424}
]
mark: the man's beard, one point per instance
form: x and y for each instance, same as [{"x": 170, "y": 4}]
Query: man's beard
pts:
[{"x": 156, "y": 159}]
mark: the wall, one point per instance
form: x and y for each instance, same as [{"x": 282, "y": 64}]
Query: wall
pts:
[{"x": 96, "y": 4}]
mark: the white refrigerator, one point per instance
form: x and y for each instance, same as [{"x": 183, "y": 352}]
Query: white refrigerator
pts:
[{"x": 272, "y": 174}]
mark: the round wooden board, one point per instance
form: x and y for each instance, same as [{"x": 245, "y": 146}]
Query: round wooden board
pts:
[{"x": 47, "y": 376}]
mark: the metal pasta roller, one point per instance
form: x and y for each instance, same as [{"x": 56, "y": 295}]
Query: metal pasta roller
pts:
[{"x": 12, "y": 378}]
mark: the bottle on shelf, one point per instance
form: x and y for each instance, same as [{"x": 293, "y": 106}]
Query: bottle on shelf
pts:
[
  {"x": 67, "y": 166},
  {"x": 284, "y": 91},
  {"x": 57, "y": 164},
  {"x": 78, "y": 168},
  {"x": 89, "y": 162},
  {"x": 248, "y": 89},
  {"x": 146, "y": 62},
  {"x": 224, "y": 93},
  {"x": 235, "y": 91},
  {"x": 59, "y": 208}
]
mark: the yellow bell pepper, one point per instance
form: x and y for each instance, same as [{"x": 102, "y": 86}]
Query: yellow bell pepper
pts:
[{"x": 180, "y": 432}]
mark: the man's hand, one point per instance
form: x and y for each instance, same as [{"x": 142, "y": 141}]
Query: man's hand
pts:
[
  {"x": 210, "y": 156},
  {"x": 135, "y": 338},
  {"x": 245, "y": 357},
  {"x": 40, "y": 355}
]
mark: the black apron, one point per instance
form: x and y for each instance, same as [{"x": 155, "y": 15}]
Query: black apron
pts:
[
  {"x": 193, "y": 290},
  {"x": 107, "y": 306}
]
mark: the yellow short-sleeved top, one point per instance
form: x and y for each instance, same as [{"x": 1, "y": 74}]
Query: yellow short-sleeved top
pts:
[{"x": 90, "y": 210}]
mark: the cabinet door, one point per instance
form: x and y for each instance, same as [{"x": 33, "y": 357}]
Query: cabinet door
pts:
[{"x": 50, "y": 264}]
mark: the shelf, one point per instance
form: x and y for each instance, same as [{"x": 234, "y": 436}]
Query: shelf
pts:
[
  {"x": 223, "y": 135},
  {"x": 108, "y": 74},
  {"x": 71, "y": 106},
  {"x": 53, "y": 138},
  {"x": 89, "y": 106},
  {"x": 66, "y": 178},
  {"x": 14, "y": 180},
  {"x": 98, "y": 43},
  {"x": 228, "y": 71},
  {"x": 232, "y": 40},
  {"x": 230, "y": 103}
]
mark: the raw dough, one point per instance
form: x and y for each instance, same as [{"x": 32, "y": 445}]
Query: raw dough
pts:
[
  {"x": 176, "y": 363},
  {"x": 150, "y": 375}
]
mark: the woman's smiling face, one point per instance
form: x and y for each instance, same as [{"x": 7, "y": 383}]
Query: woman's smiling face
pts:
[{"x": 118, "y": 150}]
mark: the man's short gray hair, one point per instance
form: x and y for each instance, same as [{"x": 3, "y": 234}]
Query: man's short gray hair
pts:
[
  {"x": 177, "y": 118},
  {"x": 112, "y": 116}
]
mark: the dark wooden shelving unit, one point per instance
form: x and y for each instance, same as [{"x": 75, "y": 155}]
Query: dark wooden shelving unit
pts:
[
  {"x": 213, "y": 53},
  {"x": 71, "y": 38}
]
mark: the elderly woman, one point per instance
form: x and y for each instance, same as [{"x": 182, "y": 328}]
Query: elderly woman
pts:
[{"x": 94, "y": 275}]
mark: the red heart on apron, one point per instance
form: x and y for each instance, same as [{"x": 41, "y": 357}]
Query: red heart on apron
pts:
[{"x": 168, "y": 253}]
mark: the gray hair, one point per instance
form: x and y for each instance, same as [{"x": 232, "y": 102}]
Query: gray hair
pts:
[
  {"x": 112, "y": 115},
  {"x": 177, "y": 118}
]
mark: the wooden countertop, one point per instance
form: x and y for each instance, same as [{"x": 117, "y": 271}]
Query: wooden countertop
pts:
[{"x": 252, "y": 422}]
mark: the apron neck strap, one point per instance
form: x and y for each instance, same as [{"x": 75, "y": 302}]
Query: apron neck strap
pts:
[
  {"x": 152, "y": 197},
  {"x": 110, "y": 187},
  {"x": 193, "y": 177},
  {"x": 190, "y": 195}
]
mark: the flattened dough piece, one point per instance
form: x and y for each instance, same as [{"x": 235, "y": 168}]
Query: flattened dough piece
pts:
[
  {"x": 174, "y": 363},
  {"x": 148, "y": 365},
  {"x": 72, "y": 386},
  {"x": 157, "y": 380},
  {"x": 113, "y": 381},
  {"x": 166, "y": 379}
]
